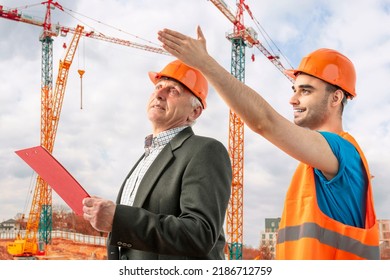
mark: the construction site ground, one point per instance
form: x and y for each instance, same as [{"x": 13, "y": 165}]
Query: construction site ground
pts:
[{"x": 62, "y": 249}]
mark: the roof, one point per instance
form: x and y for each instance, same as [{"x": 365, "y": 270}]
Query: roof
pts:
[{"x": 9, "y": 221}]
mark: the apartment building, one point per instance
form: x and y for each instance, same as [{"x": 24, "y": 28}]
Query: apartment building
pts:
[{"x": 268, "y": 236}]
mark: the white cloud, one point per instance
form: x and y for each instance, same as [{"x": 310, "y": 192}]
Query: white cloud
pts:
[{"x": 100, "y": 143}]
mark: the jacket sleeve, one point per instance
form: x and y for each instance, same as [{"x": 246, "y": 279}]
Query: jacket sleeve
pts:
[{"x": 186, "y": 217}]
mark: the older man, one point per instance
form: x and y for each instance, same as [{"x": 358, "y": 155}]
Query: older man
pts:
[{"x": 172, "y": 204}]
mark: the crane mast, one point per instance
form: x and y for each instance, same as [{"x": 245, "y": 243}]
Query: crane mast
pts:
[
  {"x": 234, "y": 223},
  {"x": 43, "y": 190},
  {"x": 236, "y": 146},
  {"x": 240, "y": 38}
]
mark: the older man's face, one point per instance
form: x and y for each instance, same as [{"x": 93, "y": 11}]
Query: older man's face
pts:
[{"x": 169, "y": 105}]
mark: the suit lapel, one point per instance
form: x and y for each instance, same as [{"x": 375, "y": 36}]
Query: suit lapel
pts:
[{"x": 155, "y": 170}]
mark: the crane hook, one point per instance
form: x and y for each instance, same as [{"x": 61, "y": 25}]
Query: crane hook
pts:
[{"x": 81, "y": 73}]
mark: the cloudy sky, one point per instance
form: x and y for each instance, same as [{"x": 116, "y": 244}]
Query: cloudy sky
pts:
[{"x": 100, "y": 143}]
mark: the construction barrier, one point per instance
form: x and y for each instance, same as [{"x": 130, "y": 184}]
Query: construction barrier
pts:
[{"x": 73, "y": 236}]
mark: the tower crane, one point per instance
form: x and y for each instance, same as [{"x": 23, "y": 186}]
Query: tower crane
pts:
[
  {"x": 41, "y": 211},
  {"x": 40, "y": 216},
  {"x": 241, "y": 37}
]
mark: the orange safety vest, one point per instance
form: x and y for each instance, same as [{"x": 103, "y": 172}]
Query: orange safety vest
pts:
[{"x": 305, "y": 232}]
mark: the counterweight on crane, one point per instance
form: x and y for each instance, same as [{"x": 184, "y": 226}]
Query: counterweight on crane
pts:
[
  {"x": 40, "y": 216},
  {"x": 240, "y": 38}
]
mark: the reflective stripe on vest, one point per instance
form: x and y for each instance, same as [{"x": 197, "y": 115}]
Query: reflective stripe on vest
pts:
[{"x": 328, "y": 237}]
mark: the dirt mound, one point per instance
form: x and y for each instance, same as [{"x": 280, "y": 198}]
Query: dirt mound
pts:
[
  {"x": 3, "y": 250},
  {"x": 62, "y": 249}
]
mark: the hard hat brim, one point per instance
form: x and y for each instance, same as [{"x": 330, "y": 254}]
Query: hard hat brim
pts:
[
  {"x": 154, "y": 77},
  {"x": 292, "y": 73}
]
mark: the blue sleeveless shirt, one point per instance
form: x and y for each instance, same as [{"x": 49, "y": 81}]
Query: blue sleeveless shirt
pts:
[{"x": 343, "y": 198}]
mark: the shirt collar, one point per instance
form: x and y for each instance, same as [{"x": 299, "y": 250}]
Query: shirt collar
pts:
[{"x": 161, "y": 139}]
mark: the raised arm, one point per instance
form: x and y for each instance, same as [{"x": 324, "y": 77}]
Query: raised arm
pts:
[{"x": 303, "y": 144}]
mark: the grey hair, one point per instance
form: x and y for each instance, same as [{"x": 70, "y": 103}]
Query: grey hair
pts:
[{"x": 195, "y": 102}]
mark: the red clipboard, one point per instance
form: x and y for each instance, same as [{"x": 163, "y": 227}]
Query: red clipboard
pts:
[{"x": 56, "y": 176}]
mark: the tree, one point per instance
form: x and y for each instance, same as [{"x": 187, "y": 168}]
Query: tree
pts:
[
  {"x": 249, "y": 253},
  {"x": 65, "y": 219},
  {"x": 265, "y": 253}
]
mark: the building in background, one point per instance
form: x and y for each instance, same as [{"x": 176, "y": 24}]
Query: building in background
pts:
[
  {"x": 384, "y": 239},
  {"x": 269, "y": 235},
  {"x": 9, "y": 225}
]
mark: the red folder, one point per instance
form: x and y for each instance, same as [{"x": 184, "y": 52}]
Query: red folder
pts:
[{"x": 61, "y": 181}]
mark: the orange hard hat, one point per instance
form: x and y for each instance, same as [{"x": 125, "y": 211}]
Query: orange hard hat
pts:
[
  {"x": 188, "y": 76},
  {"x": 330, "y": 66}
]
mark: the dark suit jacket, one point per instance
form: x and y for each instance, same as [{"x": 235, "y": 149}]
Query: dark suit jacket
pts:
[{"x": 180, "y": 206}]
